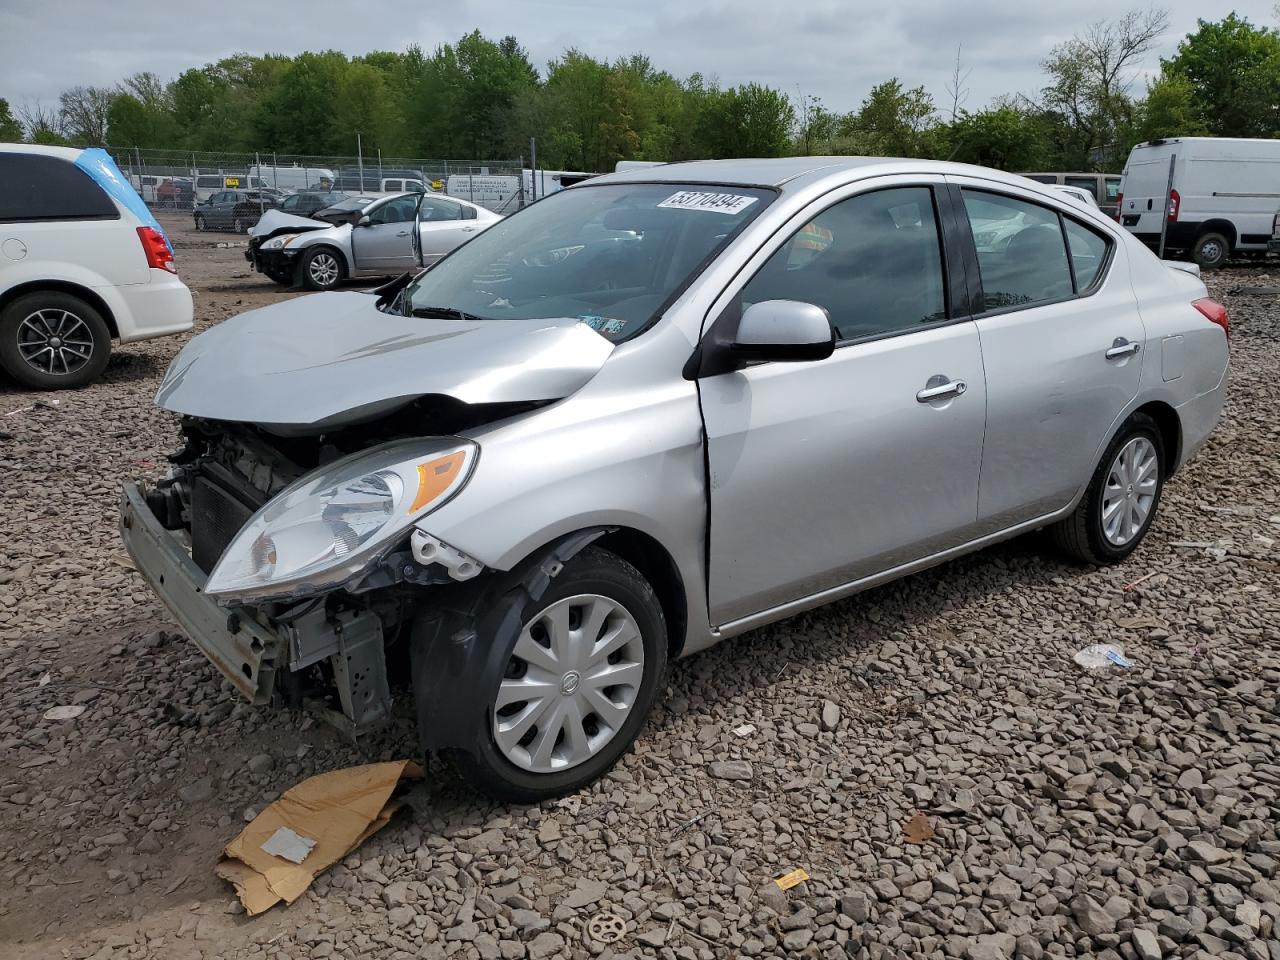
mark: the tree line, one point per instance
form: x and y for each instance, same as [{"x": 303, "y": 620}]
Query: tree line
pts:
[{"x": 483, "y": 99}]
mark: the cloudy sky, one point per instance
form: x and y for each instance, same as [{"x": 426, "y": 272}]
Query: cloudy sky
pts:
[{"x": 835, "y": 50}]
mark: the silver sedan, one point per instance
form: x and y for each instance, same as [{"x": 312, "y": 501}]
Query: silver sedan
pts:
[
  {"x": 652, "y": 412},
  {"x": 363, "y": 237}
]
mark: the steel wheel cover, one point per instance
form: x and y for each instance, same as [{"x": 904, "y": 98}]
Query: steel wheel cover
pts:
[
  {"x": 1130, "y": 491},
  {"x": 55, "y": 342},
  {"x": 323, "y": 269},
  {"x": 572, "y": 681}
]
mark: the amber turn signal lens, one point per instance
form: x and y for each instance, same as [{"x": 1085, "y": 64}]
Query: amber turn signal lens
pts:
[{"x": 435, "y": 476}]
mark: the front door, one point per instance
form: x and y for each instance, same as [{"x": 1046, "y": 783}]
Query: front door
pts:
[
  {"x": 827, "y": 472},
  {"x": 1062, "y": 342},
  {"x": 385, "y": 244}
]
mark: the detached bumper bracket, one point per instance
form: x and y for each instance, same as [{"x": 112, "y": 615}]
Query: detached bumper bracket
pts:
[{"x": 246, "y": 655}]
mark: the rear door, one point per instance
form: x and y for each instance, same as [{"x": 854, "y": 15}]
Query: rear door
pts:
[
  {"x": 1145, "y": 187},
  {"x": 442, "y": 228},
  {"x": 1062, "y": 344},
  {"x": 385, "y": 244}
]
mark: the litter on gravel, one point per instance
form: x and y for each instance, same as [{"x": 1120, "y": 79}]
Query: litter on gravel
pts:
[
  {"x": 67, "y": 711},
  {"x": 1102, "y": 656}
]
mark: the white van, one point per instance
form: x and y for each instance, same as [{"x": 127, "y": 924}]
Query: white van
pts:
[
  {"x": 1221, "y": 202},
  {"x": 292, "y": 178},
  {"x": 84, "y": 263}
]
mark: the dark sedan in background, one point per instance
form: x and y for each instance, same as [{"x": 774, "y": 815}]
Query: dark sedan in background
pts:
[{"x": 234, "y": 210}]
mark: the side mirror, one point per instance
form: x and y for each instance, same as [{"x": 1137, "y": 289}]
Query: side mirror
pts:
[
  {"x": 783, "y": 330},
  {"x": 364, "y": 221}
]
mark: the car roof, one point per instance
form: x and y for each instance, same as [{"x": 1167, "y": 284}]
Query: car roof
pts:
[
  {"x": 66, "y": 153},
  {"x": 792, "y": 174}
]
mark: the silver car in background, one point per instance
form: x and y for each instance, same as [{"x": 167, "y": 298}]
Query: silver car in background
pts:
[
  {"x": 376, "y": 237},
  {"x": 651, "y": 412}
]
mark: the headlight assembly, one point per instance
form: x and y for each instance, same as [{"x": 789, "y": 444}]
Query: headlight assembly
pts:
[
  {"x": 279, "y": 243},
  {"x": 337, "y": 521}
]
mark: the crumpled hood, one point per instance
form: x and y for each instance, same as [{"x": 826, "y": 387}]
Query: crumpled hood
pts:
[
  {"x": 334, "y": 358},
  {"x": 273, "y": 221}
]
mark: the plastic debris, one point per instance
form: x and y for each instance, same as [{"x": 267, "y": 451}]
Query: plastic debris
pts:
[
  {"x": 1102, "y": 656},
  {"x": 340, "y": 809},
  {"x": 791, "y": 879},
  {"x": 917, "y": 829},
  {"x": 746, "y": 730},
  {"x": 66, "y": 712}
]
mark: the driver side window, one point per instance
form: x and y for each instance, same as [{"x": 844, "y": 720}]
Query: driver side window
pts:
[
  {"x": 399, "y": 210},
  {"x": 873, "y": 261}
]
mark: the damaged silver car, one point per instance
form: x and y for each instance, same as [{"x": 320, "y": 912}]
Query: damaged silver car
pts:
[
  {"x": 650, "y": 412},
  {"x": 362, "y": 237}
]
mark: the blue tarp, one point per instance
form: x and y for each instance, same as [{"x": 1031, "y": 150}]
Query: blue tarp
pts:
[{"x": 97, "y": 163}]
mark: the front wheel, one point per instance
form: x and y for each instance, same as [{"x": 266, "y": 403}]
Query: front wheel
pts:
[
  {"x": 580, "y": 679},
  {"x": 1210, "y": 250},
  {"x": 1122, "y": 498},
  {"x": 320, "y": 269}
]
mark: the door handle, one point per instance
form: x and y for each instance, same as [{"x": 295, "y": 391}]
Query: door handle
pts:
[
  {"x": 937, "y": 391},
  {"x": 468, "y": 229},
  {"x": 403, "y": 233},
  {"x": 1122, "y": 348}
]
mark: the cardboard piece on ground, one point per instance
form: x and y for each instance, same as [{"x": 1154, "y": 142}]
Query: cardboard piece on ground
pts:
[{"x": 339, "y": 810}]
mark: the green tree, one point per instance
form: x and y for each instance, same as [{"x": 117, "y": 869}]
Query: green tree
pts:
[
  {"x": 1233, "y": 69},
  {"x": 1003, "y": 137},
  {"x": 1086, "y": 101},
  {"x": 10, "y": 129},
  {"x": 895, "y": 121},
  {"x": 84, "y": 114},
  {"x": 363, "y": 104},
  {"x": 1169, "y": 109}
]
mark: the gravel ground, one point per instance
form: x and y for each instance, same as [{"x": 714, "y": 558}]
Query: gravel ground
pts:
[{"x": 1132, "y": 814}]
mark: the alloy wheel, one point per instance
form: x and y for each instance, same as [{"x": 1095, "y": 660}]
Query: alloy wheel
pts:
[
  {"x": 1130, "y": 491},
  {"x": 570, "y": 685},
  {"x": 323, "y": 269},
  {"x": 55, "y": 342}
]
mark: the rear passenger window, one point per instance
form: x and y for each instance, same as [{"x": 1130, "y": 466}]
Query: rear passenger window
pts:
[
  {"x": 872, "y": 261},
  {"x": 40, "y": 187},
  {"x": 1088, "y": 184},
  {"x": 1021, "y": 254},
  {"x": 1088, "y": 252}
]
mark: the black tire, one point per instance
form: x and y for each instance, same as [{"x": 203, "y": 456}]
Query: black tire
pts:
[
  {"x": 46, "y": 314},
  {"x": 311, "y": 277},
  {"x": 199, "y": 222},
  {"x": 482, "y": 764},
  {"x": 1211, "y": 250},
  {"x": 1081, "y": 535}
]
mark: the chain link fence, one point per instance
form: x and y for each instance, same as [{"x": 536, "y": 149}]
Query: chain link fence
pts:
[{"x": 180, "y": 179}]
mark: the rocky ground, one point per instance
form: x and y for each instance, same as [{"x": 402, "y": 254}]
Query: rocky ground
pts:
[{"x": 1130, "y": 814}]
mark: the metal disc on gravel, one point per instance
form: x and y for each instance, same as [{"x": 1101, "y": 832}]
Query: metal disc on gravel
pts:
[{"x": 606, "y": 928}]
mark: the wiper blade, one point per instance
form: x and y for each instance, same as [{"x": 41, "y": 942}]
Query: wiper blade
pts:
[{"x": 443, "y": 313}]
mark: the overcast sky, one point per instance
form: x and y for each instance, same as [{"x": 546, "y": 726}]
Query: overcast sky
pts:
[{"x": 835, "y": 50}]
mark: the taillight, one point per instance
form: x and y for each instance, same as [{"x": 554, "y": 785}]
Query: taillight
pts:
[
  {"x": 1174, "y": 201},
  {"x": 1214, "y": 312},
  {"x": 1119, "y": 206},
  {"x": 1275, "y": 225},
  {"x": 157, "y": 250}
]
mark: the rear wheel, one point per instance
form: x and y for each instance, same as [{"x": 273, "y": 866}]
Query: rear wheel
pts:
[
  {"x": 1123, "y": 495},
  {"x": 1211, "y": 250},
  {"x": 53, "y": 341},
  {"x": 581, "y": 677},
  {"x": 321, "y": 269}
]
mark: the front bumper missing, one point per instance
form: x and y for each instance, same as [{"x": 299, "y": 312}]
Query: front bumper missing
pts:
[{"x": 244, "y": 651}]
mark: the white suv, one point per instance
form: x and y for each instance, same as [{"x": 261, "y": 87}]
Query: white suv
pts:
[{"x": 82, "y": 263}]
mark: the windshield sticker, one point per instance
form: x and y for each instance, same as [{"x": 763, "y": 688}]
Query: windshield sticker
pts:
[
  {"x": 602, "y": 324},
  {"x": 730, "y": 203}
]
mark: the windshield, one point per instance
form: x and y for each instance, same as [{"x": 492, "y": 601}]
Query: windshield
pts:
[{"x": 611, "y": 255}]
